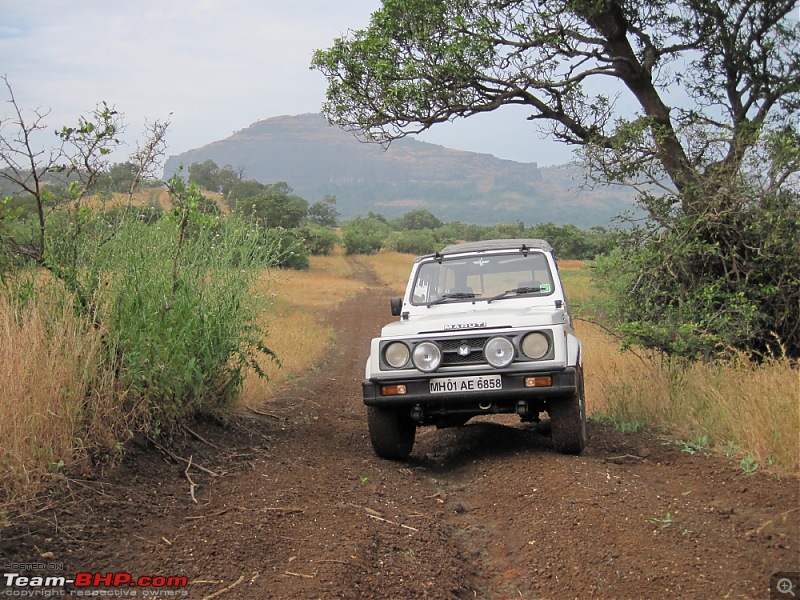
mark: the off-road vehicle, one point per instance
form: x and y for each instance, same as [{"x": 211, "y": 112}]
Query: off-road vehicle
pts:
[{"x": 484, "y": 329}]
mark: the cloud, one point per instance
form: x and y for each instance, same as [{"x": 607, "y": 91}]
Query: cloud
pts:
[
  {"x": 216, "y": 65},
  {"x": 11, "y": 31}
]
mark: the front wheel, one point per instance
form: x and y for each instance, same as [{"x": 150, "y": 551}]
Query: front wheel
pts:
[
  {"x": 392, "y": 431},
  {"x": 568, "y": 420}
]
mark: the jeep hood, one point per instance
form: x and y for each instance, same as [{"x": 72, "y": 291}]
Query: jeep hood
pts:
[{"x": 475, "y": 317}]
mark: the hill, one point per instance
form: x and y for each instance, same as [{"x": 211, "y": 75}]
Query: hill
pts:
[{"x": 316, "y": 159}]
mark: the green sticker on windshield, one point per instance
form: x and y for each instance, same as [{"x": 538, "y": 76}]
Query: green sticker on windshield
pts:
[{"x": 545, "y": 287}]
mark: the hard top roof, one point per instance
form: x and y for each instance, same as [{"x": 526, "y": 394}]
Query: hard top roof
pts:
[
  {"x": 485, "y": 245},
  {"x": 512, "y": 244}
]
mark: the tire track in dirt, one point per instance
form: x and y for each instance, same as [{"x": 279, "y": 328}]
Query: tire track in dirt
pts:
[{"x": 301, "y": 507}]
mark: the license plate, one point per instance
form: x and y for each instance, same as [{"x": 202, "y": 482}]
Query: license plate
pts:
[{"x": 476, "y": 383}]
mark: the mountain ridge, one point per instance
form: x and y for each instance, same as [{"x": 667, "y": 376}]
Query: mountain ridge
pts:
[{"x": 317, "y": 159}]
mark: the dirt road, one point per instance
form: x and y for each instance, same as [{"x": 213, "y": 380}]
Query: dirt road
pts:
[{"x": 293, "y": 504}]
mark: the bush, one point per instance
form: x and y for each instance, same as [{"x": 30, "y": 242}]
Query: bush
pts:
[
  {"x": 319, "y": 240},
  {"x": 710, "y": 282},
  {"x": 364, "y": 236},
  {"x": 182, "y": 332},
  {"x": 417, "y": 241}
]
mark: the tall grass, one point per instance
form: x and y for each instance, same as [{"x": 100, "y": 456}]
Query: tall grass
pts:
[
  {"x": 184, "y": 328},
  {"x": 53, "y": 401},
  {"x": 739, "y": 407},
  {"x": 171, "y": 334}
]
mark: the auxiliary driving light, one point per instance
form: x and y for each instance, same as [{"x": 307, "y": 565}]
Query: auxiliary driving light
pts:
[
  {"x": 499, "y": 352},
  {"x": 427, "y": 357}
]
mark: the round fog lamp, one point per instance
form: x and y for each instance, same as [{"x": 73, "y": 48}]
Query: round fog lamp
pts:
[
  {"x": 427, "y": 356},
  {"x": 396, "y": 354},
  {"x": 499, "y": 352}
]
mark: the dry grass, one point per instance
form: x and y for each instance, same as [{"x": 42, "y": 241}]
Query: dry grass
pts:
[
  {"x": 49, "y": 363},
  {"x": 157, "y": 197},
  {"x": 741, "y": 408},
  {"x": 298, "y": 329},
  {"x": 392, "y": 268},
  {"x": 577, "y": 281}
]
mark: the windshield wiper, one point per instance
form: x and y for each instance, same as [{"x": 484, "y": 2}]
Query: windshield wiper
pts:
[
  {"x": 518, "y": 291},
  {"x": 451, "y": 296}
]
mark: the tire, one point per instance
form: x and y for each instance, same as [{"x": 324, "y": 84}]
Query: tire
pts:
[
  {"x": 568, "y": 420},
  {"x": 391, "y": 431}
]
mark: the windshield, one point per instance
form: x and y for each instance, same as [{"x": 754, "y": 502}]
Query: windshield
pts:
[{"x": 482, "y": 277}]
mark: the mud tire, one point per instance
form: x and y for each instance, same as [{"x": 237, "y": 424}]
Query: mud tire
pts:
[
  {"x": 568, "y": 420},
  {"x": 392, "y": 431}
]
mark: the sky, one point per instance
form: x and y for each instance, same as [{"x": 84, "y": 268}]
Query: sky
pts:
[{"x": 212, "y": 67}]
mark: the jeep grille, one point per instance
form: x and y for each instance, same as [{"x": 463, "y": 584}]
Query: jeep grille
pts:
[{"x": 451, "y": 355}]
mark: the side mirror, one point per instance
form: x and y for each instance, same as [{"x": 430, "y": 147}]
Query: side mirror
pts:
[{"x": 397, "y": 306}]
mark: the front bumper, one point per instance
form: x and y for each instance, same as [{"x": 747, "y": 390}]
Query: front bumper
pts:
[{"x": 513, "y": 390}]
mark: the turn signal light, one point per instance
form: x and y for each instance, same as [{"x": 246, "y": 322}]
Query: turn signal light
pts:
[
  {"x": 543, "y": 381},
  {"x": 393, "y": 390}
]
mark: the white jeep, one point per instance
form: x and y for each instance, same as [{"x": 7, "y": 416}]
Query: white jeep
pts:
[{"x": 484, "y": 329}]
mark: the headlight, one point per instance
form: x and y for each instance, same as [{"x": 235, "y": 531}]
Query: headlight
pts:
[
  {"x": 396, "y": 355},
  {"x": 499, "y": 352},
  {"x": 427, "y": 356},
  {"x": 535, "y": 345}
]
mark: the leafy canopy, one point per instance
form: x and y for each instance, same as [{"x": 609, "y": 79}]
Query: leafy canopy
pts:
[
  {"x": 729, "y": 68},
  {"x": 712, "y": 143}
]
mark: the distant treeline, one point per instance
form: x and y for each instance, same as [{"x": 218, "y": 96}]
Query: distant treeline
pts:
[
  {"x": 416, "y": 232},
  {"x": 301, "y": 229}
]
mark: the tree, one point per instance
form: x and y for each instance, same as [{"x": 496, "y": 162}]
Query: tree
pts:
[
  {"x": 227, "y": 178},
  {"x": 426, "y": 62},
  {"x": 204, "y": 175},
  {"x": 275, "y": 206},
  {"x": 119, "y": 177},
  {"x": 58, "y": 182},
  {"x": 364, "y": 236},
  {"x": 418, "y": 219},
  {"x": 324, "y": 213},
  {"x": 247, "y": 188},
  {"x": 713, "y": 143}
]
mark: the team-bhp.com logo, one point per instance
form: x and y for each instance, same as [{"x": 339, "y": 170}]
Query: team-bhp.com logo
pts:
[{"x": 92, "y": 584}]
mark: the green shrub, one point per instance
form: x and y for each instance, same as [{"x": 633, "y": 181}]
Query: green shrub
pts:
[
  {"x": 291, "y": 252},
  {"x": 182, "y": 329},
  {"x": 364, "y": 236},
  {"x": 415, "y": 241},
  {"x": 319, "y": 240},
  {"x": 709, "y": 282}
]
